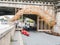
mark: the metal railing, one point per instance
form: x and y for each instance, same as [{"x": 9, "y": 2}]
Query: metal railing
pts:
[
  {"x": 19, "y": 3},
  {"x": 27, "y": 2}
]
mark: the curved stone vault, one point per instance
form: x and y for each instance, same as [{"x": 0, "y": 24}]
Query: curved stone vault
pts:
[{"x": 37, "y": 10}]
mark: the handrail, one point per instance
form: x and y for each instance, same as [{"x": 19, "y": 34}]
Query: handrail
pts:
[{"x": 27, "y": 3}]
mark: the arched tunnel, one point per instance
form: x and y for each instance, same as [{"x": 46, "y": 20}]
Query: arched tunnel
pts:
[
  {"x": 32, "y": 14},
  {"x": 48, "y": 18},
  {"x": 32, "y": 17}
]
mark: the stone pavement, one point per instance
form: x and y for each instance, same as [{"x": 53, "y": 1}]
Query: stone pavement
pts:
[
  {"x": 35, "y": 38},
  {"x": 40, "y": 38},
  {"x": 17, "y": 40}
]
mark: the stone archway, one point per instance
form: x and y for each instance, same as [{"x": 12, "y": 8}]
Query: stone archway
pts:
[{"x": 49, "y": 19}]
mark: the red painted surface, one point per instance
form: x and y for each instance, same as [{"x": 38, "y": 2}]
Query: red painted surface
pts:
[{"x": 25, "y": 32}]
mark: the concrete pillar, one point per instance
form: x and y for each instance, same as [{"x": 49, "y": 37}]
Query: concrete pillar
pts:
[
  {"x": 57, "y": 26},
  {"x": 58, "y": 18}
]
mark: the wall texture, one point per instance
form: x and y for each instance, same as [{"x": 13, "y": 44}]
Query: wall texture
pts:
[{"x": 45, "y": 12}]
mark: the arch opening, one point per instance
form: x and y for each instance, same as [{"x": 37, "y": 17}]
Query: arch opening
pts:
[
  {"x": 40, "y": 24},
  {"x": 31, "y": 21},
  {"x": 46, "y": 18}
]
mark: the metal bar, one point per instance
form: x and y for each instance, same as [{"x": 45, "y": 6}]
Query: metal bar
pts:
[
  {"x": 38, "y": 23},
  {"x": 45, "y": 26},
  {"x": 41, "y": 23},
  {"x": 15, "y": 10},
  {"x": 48, "y": 27}
]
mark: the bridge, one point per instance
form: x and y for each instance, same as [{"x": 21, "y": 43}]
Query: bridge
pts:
[
  {"x": 32, "y": 7},
  {"x": 18, "y": 3}
]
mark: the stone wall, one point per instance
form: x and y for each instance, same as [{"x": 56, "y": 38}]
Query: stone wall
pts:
[
  {"x": 45, "y": 12},
  {"x": 57, "y": 26}
]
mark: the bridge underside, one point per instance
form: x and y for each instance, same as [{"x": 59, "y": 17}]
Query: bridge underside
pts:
[
  {"x": 48, "y": 18},
  {"x": 40, "y": 9}
]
